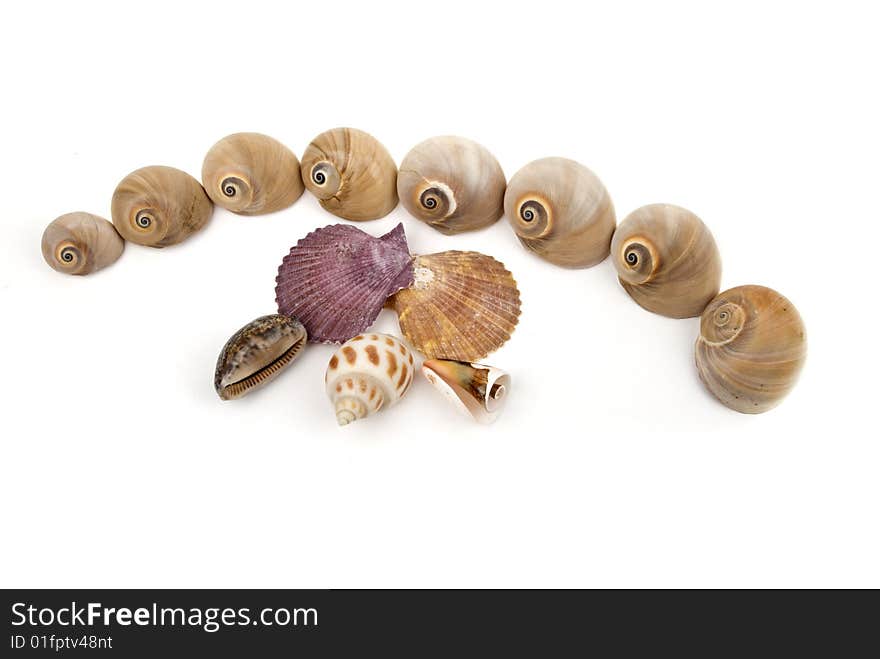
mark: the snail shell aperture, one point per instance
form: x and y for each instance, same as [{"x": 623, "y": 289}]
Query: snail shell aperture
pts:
[
  {"x": 257, "y": 353},
  {"x": 159, "y": 206},
  {"x": 560, "y": 210},
  {"x": 751, "y": 348},
  {"x": 351, "y": 174},
  {"x": 251, "y": 174},
  {"x": 368, "y": 373},
  {"x": 453, "y": 184},
  {"x": 476, "y": 390},
  {"x": 667, "y": 260},
  {"x": 81, "y": 243}
]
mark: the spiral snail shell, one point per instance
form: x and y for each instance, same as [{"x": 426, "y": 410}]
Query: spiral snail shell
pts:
[
  {"x": 453, "y": 184},
  {"x": 251, "y": 174},
  {"x": 667, "y": 260},
  {"x": 81, "y": 243},
  {"x": 560, "y": 210},
  {"x": 751, "y": 348},
  {"x": 351, "y": 173},
  {"x": 368, "y": 373},
  {"x": 257, "y": 353},
  {"x": 159, "y": 206}
]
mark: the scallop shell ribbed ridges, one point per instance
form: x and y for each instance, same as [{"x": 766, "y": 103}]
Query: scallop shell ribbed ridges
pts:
[
  {"x": 337, "y": 279},
  {"x": 462, "y": 306}
]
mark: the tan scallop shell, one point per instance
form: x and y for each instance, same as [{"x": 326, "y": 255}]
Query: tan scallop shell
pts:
[
  {"x": 453, "y": 184},
  {"x": 462, "y": 306},
  {"x": 751, "y": 348},
  {"x": 251, "y": 174},
  {"x": 368, "y": 373},
  {"x": 159, "y": 206},
  {"x": 560, "y": 210},
  {"x": 667, "y": 260},
  {"x": 351, "y": 174},
  {"x": 80, "y": 243}
]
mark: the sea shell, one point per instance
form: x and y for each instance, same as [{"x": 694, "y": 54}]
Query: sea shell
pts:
[
  {"x": 159, "y": 206},
  {"x": 368, "y": 373},
  {"x": 80, "y": 243},
  {"x": 667, "y": 260},
  {"x": 251, "y": 174},
  {"x": 336, "y": 279},
  {"x": 453, "y": 184},
  {"x": 351, "y": 174},
  {"x": 476, "y": 390},
  {"x": 560, "y": 210},
  {"x": 751, "y": 349},
  {"x": 461, "y": 306},
  {"x": 257, "y": 353}
]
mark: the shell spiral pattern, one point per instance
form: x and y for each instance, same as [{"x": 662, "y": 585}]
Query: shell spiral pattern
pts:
[
  {"x": 251, "y": 174},
  {"x": 667, "y": 260},
  {"x": 453, "y": 184},
  {"x": 751, "y": 348},
  {"x": 560, "y": 210},
  {"x": 81, "y": 243},
  {"x": 368, "y": 373},
  {"x": 351, "y": 173},
  {"x": 159, "y": 206}
]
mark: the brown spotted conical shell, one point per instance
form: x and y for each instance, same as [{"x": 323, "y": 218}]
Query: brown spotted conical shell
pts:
[
  {"x": 751, "y": 348},
  {"x": 461, "y": 306},
  {"x": 81, "y": 243},
  {"x": 159, "y": 206},
  {"x": 367, "y": 374}
]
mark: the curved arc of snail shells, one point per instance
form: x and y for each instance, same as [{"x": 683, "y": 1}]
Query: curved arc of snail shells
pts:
[
  {"x": 257, "y": 353},
  {"x": 561, "y": 211},
  {"x": 368, "y": 373},
  {"x": 158, "y": 206},
  {"x": 453, "y": 184},
  {"x": 81, "y": 243},
  {"x": 667, "y": 260},
  {"x": 351, "y": 173},
  {"x": 751, "y": 349},
  {"x": 251, "y": 174}
]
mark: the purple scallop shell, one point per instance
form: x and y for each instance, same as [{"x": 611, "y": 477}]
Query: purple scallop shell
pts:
[{"x": 336, "y": 280}]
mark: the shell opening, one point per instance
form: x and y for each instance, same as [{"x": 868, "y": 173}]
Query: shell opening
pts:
[
  {"x": 232, "y": 186},
  {"x": 68, "y": 253},
  {"x": 144, "y": 219},
  {"x": 535, "y": 218},
  {"x": 438, "y": 199},
  {"x": 498, "y": 391},
  {"x": 262, "y": 374}
]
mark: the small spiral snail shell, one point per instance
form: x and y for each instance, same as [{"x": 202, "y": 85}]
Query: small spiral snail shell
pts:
[
  {"x": 257, "y": 353},
  {"x": 351, "y": 174},
  {"x": 159, "y": 206},
  {"x": 251, "y": 174},
  {"x": 81, "y": 243},
  {"x": 453, "y": 184},
  {"x": 560, "y": 210},
  {"x": 751, "y": 348},
  {"x": 368, "y": 373},
  {"x": 667, "y": 260}
]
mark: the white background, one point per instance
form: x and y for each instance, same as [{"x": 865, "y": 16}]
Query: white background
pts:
[{"x": 611, "y": 465}]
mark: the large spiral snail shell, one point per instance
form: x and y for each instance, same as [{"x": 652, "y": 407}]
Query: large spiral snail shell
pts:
[
  {"x": 351, "y": 174},
  {"x": 159, "y": 206},
  {"x": 368, "y": 373},
  {"x": 560, "y": 210},
  {"x": 81, "y": 243},
  {"x": 453, "y": 184},
  {"x": 251, "y": 174},
  {"x": 667, "y": 260},
  {"x": 751, "y": 348}
]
